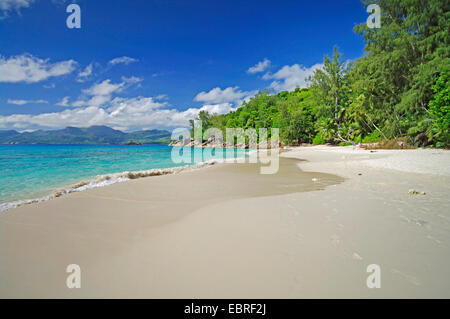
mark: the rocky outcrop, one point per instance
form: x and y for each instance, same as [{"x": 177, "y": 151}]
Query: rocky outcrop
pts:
[
  {"x": 183, "y": 142},
  {"x": 211, "y": 143}
]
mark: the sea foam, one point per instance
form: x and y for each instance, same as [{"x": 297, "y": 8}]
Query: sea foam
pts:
[{"x": 109, "y": 179}]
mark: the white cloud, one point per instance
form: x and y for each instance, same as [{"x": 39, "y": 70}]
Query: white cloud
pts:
[
  {"x": 222, "y": 108},
  {"x": 291, "y": 76},
  {"x": 126, "y": 113},
  {"x": 84, "y": 75},
  {"x": 98, "y": 100},
  {"x": 64, "y": 101},
  {"x": 29, "y": 69},
  {"x": 228, "y": 95},
  {"x": 14, "y": 5},
  {"x": 132, "y": 79},
  {"x": 78, "y": 103},
  {"x": 104, "y": 88},
  {"x": 23, "y": 102},
  {"x": 98, "y": 105},
  {"x": 49, "y": 86},
  {"x": 124, "y": 59},
  {"x": 161, "y": 97},
  {"x": 259, "y": 67},
  {"x": 101, "y": 93}
]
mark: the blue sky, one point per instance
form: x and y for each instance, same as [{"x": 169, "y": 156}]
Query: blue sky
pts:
[{"x": 145, "y": 64}]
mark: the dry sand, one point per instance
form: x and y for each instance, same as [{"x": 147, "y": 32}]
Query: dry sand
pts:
[{"x": 227, "y": 231}]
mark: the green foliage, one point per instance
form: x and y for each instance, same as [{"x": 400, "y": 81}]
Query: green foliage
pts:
[
  {"x": 326, "y": 128},
  {"x": 404, "y": 58},
  {"x": 440, "y": 110},
  {"x": 329, "y": 86},
  {"x": 372, "y": 138},
  {"x": 292, "y": 112},
  {"x": 318, "y": 140},
  {"x": 398, "y": 89}
]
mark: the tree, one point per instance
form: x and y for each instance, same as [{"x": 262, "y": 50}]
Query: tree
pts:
[
  {"x": 404, "y": 58},
  {"x": 203, "y": 118},
  {"x": 440, "y": 110},
  {"x": 330, "y": 87},
  {"x": 398, "y": 89}
]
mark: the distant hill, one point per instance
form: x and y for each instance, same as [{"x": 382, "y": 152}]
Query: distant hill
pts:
[{"x": 89, "y": 135}]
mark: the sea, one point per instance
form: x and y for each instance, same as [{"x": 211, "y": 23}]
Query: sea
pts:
[{"x": 32, "y": 173}]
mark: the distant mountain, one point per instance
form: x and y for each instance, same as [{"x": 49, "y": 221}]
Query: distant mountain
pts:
[{"x": 89, "y": 135}]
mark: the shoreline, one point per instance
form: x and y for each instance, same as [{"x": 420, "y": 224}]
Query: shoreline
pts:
[
  {"x": 104, "y": 181},
  {"x": 111, "y": 179},
  {"x": 206, "y": 234}
]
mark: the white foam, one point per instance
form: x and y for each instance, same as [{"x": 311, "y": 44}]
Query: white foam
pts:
[
  {"x": 106, "y": 180},
  {"x": 110, "y": 179}
]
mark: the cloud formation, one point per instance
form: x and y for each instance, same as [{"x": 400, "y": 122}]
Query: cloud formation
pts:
[
  {"x": 291, "y": 76},
  {"x": 123, "y": 60},
  {"x": 23, "y": 102},
  {"x": 64, "y": 101},
  {"x": 104, "y": 88},
  {"x": 101, "y": 103},
  {"x": 228, "y": 95},
  {"x": 222, "y": 108},
  {"x": 49, "y": 86},
  {"x": 259, "y": 67},
  {"x": 29, "y": 69},
  {"x": 85, "y": 74},
  {"x": 13, "y": 5},
  {"x": 123, "y": 113},
  {"x": 101, "y": 93}
]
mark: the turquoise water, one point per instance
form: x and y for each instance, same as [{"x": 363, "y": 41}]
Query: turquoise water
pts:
[{"x": 33, "y": 171}]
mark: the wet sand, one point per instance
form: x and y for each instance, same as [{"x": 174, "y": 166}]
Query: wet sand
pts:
[
  {"x": 92, "y": 227},
  {"x": 227, "y": 231}
]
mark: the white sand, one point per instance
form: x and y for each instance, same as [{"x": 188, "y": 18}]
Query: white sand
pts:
[
  {"x": 294, "y": 245},
  {"x": 424, "y": 161}
]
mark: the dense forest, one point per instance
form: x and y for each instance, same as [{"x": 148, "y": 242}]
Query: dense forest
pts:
[{"x": 398, "y": 91}]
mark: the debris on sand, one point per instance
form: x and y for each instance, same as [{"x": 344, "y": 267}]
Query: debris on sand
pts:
[
  {"x": 356, "y": 256},
  {"x": 416, "y": 192}
]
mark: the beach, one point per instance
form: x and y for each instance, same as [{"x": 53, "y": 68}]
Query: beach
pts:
[{"x": 226, "y": 231}]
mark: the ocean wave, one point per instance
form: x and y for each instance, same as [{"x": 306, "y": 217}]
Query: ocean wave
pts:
[{"x": 109, "y": 179}]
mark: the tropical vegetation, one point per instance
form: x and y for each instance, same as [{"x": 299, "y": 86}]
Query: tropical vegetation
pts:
[{"x": 399, "y": 89}]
